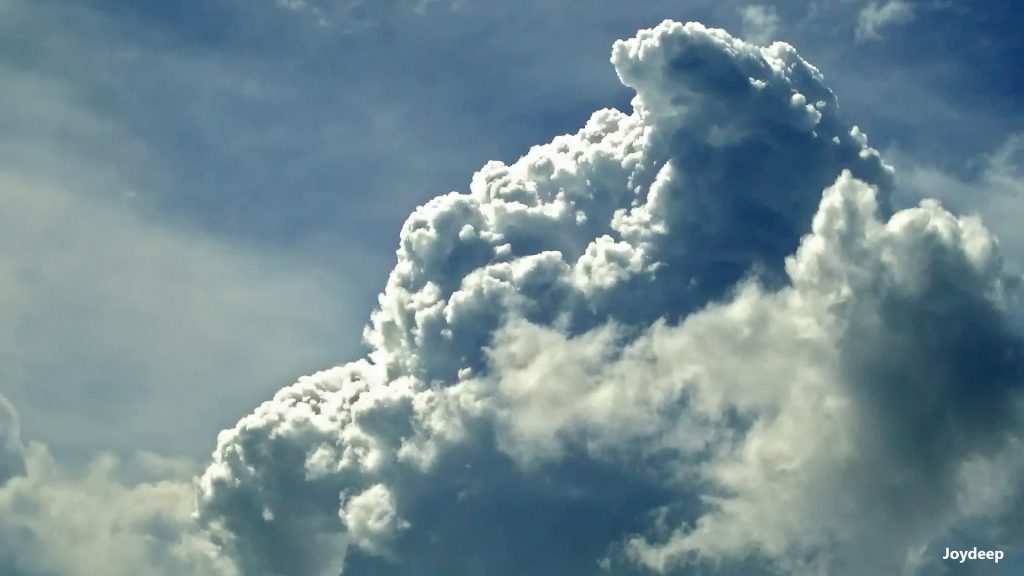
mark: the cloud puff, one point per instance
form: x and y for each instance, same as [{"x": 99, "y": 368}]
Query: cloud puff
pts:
[
  {"x": 875, "y": 17},
  {"x": 652, "y": 345},
  {"x": 991, "y": 186}
]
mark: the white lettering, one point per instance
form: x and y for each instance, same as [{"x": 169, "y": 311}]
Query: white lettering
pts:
[{"x": 963, "y": 556}]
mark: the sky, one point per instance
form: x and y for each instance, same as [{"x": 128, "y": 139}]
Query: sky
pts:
[{"x": 321, "y": 287}]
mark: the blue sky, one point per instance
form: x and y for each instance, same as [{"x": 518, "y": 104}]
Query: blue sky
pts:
[{"x": 204, "y": 197}]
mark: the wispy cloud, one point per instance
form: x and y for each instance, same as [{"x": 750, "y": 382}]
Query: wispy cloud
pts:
[
  {"x": 350, "y": 16},
  {"x": 116, "y": 313},
  {"x": 875, "y": 18},
  {"x": 559, "y": 343},
  {"x": 760, "y": 23}
]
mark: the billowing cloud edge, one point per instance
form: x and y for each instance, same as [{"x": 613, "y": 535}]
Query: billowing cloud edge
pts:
[
  {"x": 58, "y": 520},
  {"x": 651, "y": 345}
]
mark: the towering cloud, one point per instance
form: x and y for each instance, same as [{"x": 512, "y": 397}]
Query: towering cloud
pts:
[{"x": 690, "y": 337}]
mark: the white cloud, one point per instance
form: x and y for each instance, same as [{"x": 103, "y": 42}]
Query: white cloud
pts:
[
  {"x": 650, "y": 344},
  {"x": 53, "y": 521},
  {"x": 370, "y": 519},
  {"x": 653, "y": 344},
  {"x": 875, "y": 17},
  {"x": 760, "y": 23},
  {"x": 850, "y": 352}
]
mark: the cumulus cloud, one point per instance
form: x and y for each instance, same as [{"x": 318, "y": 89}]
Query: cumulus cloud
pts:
[
  {"x": 692, "y": 337},
  {"x": 991, "y": 186},
  {"x": 876, "y": 17},
  {"x": 58, "y": 522},
  {"x": 369, "y": 517}
]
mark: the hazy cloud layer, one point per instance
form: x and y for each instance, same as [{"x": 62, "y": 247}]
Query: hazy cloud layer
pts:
[
  {"x": 693, "y": 335},
  {"x": 118, "y": 321},
  {"x": 115, "y": 317}
]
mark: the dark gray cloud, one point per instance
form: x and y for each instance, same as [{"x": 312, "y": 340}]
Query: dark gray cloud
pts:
[{"x": 654, "y": 345}]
